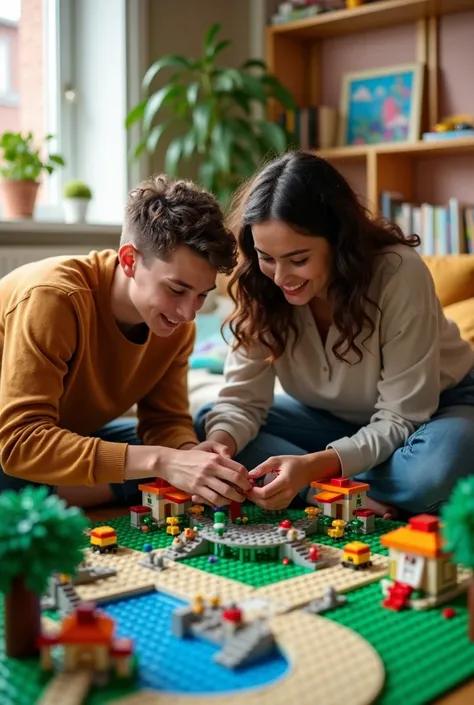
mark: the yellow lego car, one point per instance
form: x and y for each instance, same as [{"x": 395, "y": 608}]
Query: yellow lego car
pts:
[
  {"x": 104, "y": 540},
  {"x": 356, "y": 555}
]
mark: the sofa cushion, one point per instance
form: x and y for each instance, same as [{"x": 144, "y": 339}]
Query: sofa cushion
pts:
[
  {"x": 453, "y": 277},
  {"x": 462, "y": 313}
]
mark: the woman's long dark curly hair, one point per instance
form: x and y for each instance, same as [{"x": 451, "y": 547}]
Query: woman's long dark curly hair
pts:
[{"x": 312, "y": 197}]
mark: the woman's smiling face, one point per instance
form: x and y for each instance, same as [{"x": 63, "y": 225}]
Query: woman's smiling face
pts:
[{"x": 299, "y": 264}]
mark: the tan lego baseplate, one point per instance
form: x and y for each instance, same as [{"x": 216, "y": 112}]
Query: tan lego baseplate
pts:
[
  {"x": 298, "y": 591},
  {"x": 184, "y": 582},
  {"x": 67, "y": 689},
  {"x": 327, "y": 663},
  {"x": 131, "y": 578},
  {"x": 349, "y": 670}
]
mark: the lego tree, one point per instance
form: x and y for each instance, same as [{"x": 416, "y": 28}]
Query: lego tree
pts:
[
  {"x": 39, "y": 535},
  {"x": 458, "y": 530}
]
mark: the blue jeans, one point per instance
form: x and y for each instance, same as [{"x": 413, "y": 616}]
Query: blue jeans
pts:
[
  {"x": 417, "y": 477},
  {"x": 122, "y": 430}
]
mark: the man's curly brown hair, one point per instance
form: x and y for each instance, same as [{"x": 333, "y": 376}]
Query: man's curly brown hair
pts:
[{"x": 162, "y": 214}]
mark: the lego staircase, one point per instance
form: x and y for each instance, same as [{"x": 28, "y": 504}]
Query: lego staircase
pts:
[
  {"x": 197, "y": 547},
  {"x": 68, "y": 599},
  {"x": 247, "y": 644},
  {"x": 298, "y": 551}
]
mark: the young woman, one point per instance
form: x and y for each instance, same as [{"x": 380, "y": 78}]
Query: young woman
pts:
[{"x": 342, "y": 310}]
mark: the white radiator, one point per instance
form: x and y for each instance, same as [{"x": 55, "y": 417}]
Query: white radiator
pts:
[{"x": 13, "y": 257}]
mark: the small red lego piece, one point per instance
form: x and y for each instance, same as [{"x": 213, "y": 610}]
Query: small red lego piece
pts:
[
  {"x": 398, "y": 596},
  {"x": 449, "y": 612},
  {"x": 424, "y": 522}
]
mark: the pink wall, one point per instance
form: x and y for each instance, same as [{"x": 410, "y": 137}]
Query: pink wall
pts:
[
  {"x": 436, "y": 179},
  {"x": 456, "y": 43},
  {"x": 358, "y": 52}
]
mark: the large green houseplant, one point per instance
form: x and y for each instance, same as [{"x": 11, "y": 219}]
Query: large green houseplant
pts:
[
  {"x": 21, "y": 167},
  {"x": 211, "y": 112}
]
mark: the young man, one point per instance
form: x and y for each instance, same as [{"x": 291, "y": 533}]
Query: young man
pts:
[{"x": 85, "y": 338}]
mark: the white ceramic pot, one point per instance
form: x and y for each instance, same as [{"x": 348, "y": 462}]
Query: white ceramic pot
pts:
[{"x": 75, "y": 209}]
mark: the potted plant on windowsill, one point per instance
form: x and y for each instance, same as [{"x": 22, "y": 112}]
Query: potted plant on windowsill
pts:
[
  {"x": 77, "y": 196},
  {"x": 21, "y": 167}
]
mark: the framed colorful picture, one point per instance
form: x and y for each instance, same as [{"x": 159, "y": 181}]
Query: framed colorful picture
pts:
[{"x": 381, "y": 105}]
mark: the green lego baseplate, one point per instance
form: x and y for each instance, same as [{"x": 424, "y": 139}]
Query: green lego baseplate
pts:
[{"x": 424, "y": 654}]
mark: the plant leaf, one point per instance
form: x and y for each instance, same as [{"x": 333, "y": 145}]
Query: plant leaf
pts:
[
  {"x": 215, "y": 49},
  {"x": 254, "y": 64},
  {"x": 207, "y": 172},
  {"x": 155, "y": 101},
  {"x": 57, "y": 159},
  {"x": 211, "y": 34},
  {"x": 222, "y": 139},
  {"x": 273, "y": 135},
  {"x": 189, "y": 144},
  {"x": 277, "y": 90},
  {"x": 155, "y": 135},
  {"x": 246, "y": 163},
  {"x": 227, "y": 80},
  {"x": 201, "y": 122},
  {"x": 135, "y": 114},
  {"x": 244, "y": 132},
  {"x": 253, "y": 86},
  {"x": 136, "y": 151},
  {"x": 173, "y": 155},
  {"x": 167, "y": 61},
  {"x": 192, "y": 93}
]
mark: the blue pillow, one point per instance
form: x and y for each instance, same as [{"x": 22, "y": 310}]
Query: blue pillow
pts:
[{"x": 210, "y": 349}]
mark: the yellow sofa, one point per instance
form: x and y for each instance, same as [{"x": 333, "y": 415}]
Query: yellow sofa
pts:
[{"x": 453, "y": 276}]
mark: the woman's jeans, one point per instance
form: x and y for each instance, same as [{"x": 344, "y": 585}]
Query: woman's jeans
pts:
[{"x": 418, "y": 477}]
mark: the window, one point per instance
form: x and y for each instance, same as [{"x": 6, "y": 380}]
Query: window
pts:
[
  {"x": 61, "y": 73},
  {"x": 29, "y": 82}
]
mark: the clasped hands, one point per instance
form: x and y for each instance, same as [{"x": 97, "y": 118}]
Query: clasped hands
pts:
[{"x": 223, "y": 479}]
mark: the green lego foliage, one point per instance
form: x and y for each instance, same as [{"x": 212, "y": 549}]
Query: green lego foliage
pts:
[
  {"x": 39, "y": 534},
  {"x": 458, "y": 519}
]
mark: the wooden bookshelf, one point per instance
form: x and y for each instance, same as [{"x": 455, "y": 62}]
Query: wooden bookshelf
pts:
[
  {"x": 294, "y": 55},
  {"x": 377, "y": 15}
]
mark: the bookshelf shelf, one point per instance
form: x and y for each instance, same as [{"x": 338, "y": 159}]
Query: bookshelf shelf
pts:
[
  {"x": 377, "y": 15},
  {"x": 449, "y": 147}
]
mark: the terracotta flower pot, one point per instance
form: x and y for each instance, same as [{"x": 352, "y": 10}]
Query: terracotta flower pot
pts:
[{"x": 18, "y": 198}]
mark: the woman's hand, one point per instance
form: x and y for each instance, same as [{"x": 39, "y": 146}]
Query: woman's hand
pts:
[{"x": 291, "y": 474}]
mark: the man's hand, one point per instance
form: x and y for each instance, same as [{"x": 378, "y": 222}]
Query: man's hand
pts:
[
  {"x": 209, "y": 477},
  {"x": 291, "y": 474}
]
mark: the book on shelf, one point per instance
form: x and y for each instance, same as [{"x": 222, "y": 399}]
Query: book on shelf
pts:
[
  {"x": 444, "y": 229},
  {"x": 447, "y": 135},
  {"x": 313, "y": 127}
]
